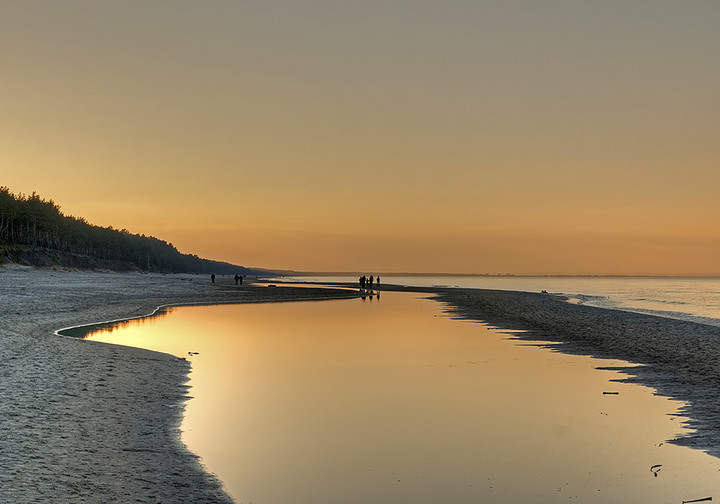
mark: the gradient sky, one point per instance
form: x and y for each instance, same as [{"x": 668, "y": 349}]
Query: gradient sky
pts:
[{"x": 562, "y": 136}]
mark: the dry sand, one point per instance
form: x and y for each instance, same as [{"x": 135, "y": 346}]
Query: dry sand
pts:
[{"x": 88, "y": 422}]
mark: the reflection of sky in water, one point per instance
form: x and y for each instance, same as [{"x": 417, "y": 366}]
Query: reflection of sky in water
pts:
[
  {"x": 390, "y": 401},
  {"x": 695, "y": 299}
]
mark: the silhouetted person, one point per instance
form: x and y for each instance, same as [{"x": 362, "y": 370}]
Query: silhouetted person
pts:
[
  {"x": 371, "y": 281},
  {"x": 377, "y": 282},
  {"x": 237, "y": 278},
  {"x": 212, "y": 277},
  {"x": 362, "y": 282},
  {"x": 241, "y": 279}
]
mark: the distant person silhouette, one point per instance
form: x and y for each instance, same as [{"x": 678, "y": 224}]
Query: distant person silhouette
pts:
[
  {"x": 377, "y": 282},
  {"x": 371, "y": 282},
  {"x": 212, "y": 277},
  {"x": 237, "y": 278}
]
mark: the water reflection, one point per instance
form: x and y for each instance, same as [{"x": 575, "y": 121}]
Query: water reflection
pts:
[
  {"x": 369, "y": 294},
  {"x": 85, "y": 331},
  {"x": 351, "y": 401}
]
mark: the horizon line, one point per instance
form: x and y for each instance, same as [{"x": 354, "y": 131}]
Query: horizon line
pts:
[{"x": 499, "y": 275}]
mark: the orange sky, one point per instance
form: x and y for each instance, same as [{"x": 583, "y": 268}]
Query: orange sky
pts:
[{"x": 503, "y": 137}]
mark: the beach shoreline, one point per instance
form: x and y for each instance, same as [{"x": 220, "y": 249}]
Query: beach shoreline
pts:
[
  {"x": 91, "y": 422},
  {"x": 679, "y": 359}
]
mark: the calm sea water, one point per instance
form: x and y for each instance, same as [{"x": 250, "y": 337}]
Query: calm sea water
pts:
[
  {"x": 694, "y": 299},
  {"x": 390, "y": 400}
]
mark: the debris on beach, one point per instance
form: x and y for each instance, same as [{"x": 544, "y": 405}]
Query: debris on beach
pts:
[
  {"x": 655, "y": 469},
  {"x": 704, "y": 499},
  {"x": 611, "y": 393}
]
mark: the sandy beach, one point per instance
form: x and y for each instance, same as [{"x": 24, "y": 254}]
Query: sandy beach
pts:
[{"x": 90, "y": 422}]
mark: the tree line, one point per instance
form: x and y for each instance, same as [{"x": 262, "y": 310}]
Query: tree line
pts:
[{"x": 30, "y": 223}]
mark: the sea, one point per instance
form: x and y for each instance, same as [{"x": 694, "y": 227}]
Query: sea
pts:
[{"x": 685, "y": 298}]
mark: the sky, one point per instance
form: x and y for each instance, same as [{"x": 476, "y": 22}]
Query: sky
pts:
[{"x": 501, "y": 137}]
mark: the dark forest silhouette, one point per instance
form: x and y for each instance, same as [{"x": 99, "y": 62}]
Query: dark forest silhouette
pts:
[{"x": 34, "y": 231}]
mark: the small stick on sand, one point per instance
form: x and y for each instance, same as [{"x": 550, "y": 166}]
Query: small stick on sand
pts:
[{"x": 698, "y": 500}]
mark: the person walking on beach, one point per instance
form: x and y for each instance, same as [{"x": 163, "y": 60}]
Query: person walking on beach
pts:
[
  {"x": 237, "y": 278},
  {"x": 377, "y": 282},
  {"x": 371, "y": 281},
  {"x": 212, "y": 278}
]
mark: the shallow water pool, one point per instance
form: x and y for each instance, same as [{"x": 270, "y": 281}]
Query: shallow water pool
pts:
[{"x": 390, "y": 400}]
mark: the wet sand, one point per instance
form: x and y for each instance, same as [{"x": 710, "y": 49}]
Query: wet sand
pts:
[{"x": 90, "y": 422}]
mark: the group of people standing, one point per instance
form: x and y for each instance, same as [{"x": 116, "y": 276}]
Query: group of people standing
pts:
[
  {"x": 367, "y": 282},
  {"x": 238, "y": 278}
]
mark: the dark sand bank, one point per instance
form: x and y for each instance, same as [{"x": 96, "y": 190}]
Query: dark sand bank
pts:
[
  {"x": 88, "y": 422},
  {"x": 682, "y": 359}
]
